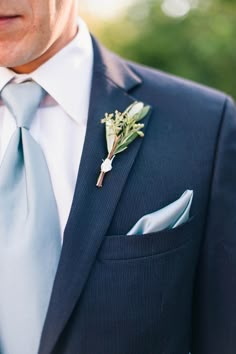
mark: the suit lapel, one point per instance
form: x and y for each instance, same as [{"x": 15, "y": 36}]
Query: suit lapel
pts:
[{"x": 92, "y": 208}]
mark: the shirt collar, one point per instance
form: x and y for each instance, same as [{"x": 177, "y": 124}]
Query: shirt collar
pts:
[{"x": 67, "y": 76}]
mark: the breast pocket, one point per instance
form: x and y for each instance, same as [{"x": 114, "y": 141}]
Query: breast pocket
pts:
[
  {"x": 123, "y": 247},
  {"x": 142, "y": 285}
]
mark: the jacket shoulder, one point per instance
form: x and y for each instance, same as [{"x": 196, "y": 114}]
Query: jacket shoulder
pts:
[{"x": 164, "y": 85}]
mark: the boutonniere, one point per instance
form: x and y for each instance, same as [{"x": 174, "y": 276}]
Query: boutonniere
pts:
[{"x": 121, "y": 130}]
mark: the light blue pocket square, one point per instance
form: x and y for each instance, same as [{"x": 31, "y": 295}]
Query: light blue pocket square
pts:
[{"x": 168, "y": 217}]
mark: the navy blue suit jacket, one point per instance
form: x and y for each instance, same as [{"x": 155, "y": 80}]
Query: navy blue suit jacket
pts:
[{"x": 169, "y": 292}]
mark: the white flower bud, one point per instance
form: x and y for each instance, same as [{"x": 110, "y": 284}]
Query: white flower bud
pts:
[{"x": 135, "y": 109}]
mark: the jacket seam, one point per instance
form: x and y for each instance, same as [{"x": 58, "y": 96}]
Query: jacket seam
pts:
[{"x": 216, "y": 150}]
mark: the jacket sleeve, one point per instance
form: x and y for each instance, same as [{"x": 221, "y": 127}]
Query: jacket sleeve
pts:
[{"x": 214, "y": 301}]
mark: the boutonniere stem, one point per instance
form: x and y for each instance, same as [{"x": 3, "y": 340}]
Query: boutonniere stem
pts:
[{"x": 121, "y": 130}]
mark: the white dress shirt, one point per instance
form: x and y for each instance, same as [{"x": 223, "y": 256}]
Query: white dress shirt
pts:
[{"x": 60, "y": 123}]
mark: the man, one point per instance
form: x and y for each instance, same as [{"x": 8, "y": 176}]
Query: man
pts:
[{"x": 170, "y": 291}]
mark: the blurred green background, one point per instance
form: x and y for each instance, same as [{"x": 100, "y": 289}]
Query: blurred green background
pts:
[{"x": 194, "y": 39}]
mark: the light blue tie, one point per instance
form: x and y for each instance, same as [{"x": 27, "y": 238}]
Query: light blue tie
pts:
[{"x": 29, "y": 228}]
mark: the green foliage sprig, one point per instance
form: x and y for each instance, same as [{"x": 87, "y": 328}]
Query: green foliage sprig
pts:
[{"x": 121, "y": 130}]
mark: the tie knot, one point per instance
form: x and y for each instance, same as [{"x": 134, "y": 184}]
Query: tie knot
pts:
[{"x": 23, "y": 100}]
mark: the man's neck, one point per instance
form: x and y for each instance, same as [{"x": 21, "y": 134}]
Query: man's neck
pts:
[{"x": 49, "y": 53}]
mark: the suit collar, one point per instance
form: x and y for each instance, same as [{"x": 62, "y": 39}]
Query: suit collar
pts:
[
  {"x": 114, "y": 68},
  {"x": 92, "y": 208}
]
